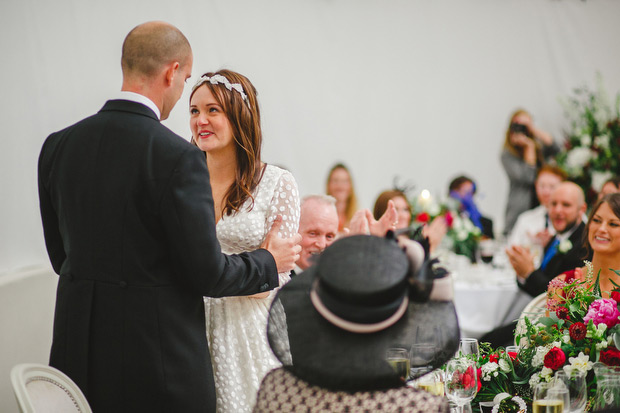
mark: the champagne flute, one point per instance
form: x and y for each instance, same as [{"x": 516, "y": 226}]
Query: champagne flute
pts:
[
  {"x": 576, "y": 384},
  {"x": 461, "y": 382},
  {"x": 399, "y": 360},
  {"x": 550, "y": 397}
]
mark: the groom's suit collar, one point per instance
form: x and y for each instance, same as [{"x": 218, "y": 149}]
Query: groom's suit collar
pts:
[{"x": 129, "y": 106}]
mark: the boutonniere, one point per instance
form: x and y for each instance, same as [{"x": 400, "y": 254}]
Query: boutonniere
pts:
[{"x": 565, "y": 246}]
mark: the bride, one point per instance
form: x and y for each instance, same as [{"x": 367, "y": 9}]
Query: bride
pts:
[{"x": 248, "y": 196}]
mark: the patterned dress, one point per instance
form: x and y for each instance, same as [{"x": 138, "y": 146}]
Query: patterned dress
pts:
[
  {"x": 281, "y": 391},
  {"x": 237, "y": 326}
]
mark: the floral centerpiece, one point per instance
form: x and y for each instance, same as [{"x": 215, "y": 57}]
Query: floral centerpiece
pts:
[
  {"x": 581, "y": 329},
  {"x": 592, "y": 151},
  {"x": 462, "y": 236}
]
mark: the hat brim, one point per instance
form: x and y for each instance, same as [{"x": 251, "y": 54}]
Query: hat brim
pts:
[{"x": 323, "y": 354}]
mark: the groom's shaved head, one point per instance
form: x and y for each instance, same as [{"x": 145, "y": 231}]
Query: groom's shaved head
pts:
[{"x": 152, "y": 45}]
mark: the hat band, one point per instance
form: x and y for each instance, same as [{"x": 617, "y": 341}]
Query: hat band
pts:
[{"x": 357, "y": 327}]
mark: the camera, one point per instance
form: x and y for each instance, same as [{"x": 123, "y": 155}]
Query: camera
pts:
[{"x": 520, "y": 128}]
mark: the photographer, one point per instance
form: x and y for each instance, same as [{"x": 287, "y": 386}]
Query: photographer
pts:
[{"x": 526, "y": 149}]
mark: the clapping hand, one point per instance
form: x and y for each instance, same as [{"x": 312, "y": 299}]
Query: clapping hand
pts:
[
  {"x": 363, "y": 221},
  {"x": 285, "y": 251},
  {"x": 521, "y": 260}
]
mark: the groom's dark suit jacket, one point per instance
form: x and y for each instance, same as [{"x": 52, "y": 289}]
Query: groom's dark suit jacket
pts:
[
  {"x": 536, "y": 283},
  {"x": 129, "y": 226}
]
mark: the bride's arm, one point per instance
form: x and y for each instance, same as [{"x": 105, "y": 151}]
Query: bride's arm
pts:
[{"x": 285, "y": 202}]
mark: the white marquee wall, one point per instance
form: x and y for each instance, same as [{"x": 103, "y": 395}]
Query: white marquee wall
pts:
[{"x": 410, "y": 88}]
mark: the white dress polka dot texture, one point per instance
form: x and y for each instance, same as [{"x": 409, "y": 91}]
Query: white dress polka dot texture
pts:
[{"x": 236, "y": 326}]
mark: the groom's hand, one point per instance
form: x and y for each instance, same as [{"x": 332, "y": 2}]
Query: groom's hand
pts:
[{"x": 285, "y": 251}]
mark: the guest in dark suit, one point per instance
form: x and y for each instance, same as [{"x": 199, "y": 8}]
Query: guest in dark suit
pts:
[
  {"x": 129, "y": 226},
  {"x": 564, "y": 251}
]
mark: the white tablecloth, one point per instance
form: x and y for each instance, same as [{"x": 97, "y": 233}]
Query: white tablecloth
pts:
[{"x": 485, "y": 296}]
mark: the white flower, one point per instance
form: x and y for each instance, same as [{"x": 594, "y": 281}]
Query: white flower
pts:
[
  {"x": 505, "y": 366},
  {"x": 580, "y": 363},
  {"x": 566, "y": 338},
  {"x": 578, "y": 157},
  {"x": 546, "y": 373},
  {"x": 539, "y": 357},
  {"x": 565, "y": 246},
  {"x": 602, "y": 141},
  {"x": 599, "y": 178},
  {"x": 600, "y": 346},
  {"x": 461, "y": 235},
  {"x": 489, "y": 370},
  {"x": 586, "y": 140},
  {"x": 534, "y": 380},
  {"x": 434, "y": 209}
]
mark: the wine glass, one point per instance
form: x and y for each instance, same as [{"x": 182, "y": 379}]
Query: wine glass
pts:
[
  {"x": 550, "y": 397},
  {"x": 469, "y": 347},
  {"x": 461, "y": 382},
  {"x": 486, "y": 249},
  {"x": 399, "y": 360},
  {"x": 576, "y": 384}
]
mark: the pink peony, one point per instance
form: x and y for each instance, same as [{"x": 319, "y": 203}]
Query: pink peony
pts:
[{"x": 603, "y": 310}]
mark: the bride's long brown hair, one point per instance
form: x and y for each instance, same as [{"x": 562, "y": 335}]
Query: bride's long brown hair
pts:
[{"x": 244, "y": 118}]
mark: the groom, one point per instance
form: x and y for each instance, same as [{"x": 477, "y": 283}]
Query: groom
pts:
[{"x": 129, "y": 226}]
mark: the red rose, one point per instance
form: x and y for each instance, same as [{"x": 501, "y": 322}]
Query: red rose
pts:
[
  {"x": 555, "y": 358},
  {"x": 449, "y": 219},
  {"x": 512, "y": 355},
  {"x": 562, "y": 313},
  {"x": 615, "y": 295},
  {"x": 610, "y": 356},
  {"x": 423, "y": 217},
  {"x": 577, "y": 331},
  {"x": 493, "y": 358}
]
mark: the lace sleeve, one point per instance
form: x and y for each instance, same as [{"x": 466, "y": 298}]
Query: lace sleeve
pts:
[{"x": 285, "y": 202}]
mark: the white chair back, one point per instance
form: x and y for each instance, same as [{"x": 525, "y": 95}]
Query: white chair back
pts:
[
  {"x": 533, "y": 311},
  {"x": 43, "y": 389}
]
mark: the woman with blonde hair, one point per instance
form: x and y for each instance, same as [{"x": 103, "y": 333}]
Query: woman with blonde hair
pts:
[
  {"x": 340, "y": 186},
  {"x": 526, "y": 149},
  {"x": 248, "y": 196}
]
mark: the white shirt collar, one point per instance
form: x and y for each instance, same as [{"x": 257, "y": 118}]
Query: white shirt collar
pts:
[
  {"x": 136, "y": 97},
  {"x": 567, "y": 234}
]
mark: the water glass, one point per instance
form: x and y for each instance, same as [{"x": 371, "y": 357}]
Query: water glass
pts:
[
  {"x": 399, "y": 360},
  {"x": 576, "y": 384},
  {"x": 432, "y": 383},
  {"x": 551, "y": 397}
]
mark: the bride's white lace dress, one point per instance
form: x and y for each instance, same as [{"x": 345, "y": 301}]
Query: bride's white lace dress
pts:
[{"x": 236, "y": 326}]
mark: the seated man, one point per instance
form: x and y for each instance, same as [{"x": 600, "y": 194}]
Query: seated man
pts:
[
  {"x": 533, "y": 226},
  {"x": 564, "y": 251},
  {"x": 318, "y": 226}
]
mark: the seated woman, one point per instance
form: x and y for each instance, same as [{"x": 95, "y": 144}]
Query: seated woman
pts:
[
  {"x": 463, "y": 190},
  {"x": 434, "y": 231},
  {"x": 333, "y": 325},
  {"x": 603, "y": 239},
  {"x": 340, "y": 186},
  {"x": 611, "y": 186}
]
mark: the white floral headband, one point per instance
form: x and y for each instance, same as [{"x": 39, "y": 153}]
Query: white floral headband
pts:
[{"x": 219, "y": 79}]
